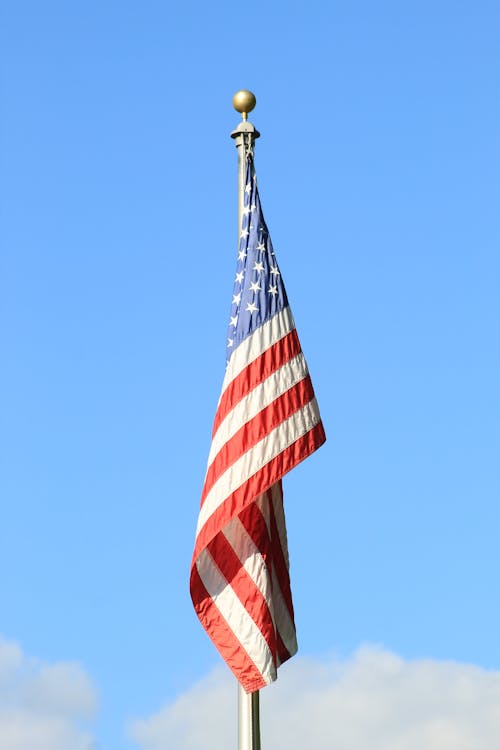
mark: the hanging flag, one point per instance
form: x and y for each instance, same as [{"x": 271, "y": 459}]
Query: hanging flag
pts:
[{"x": 267, "y": 421}]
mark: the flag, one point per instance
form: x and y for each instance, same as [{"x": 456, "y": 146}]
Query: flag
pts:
[{"x": 267, "y": 421}]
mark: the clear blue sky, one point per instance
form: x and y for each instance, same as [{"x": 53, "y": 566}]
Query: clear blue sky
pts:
[{"x": 378, "y": 169}]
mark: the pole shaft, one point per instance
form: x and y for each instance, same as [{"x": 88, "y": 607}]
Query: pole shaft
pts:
[
  {"x": 248, "y": 720},
  {"x": 248, "y": 703},
  {"x": 241, "y": 182},
  {"x": 244, "y": 136}
]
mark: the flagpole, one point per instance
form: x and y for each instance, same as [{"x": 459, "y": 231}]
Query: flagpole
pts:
[{"x": 244, "y": 136}]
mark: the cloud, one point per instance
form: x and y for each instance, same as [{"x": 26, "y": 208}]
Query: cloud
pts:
[
  {"x": 43, "y": 706},
  {"x": 375, "y": 699}
]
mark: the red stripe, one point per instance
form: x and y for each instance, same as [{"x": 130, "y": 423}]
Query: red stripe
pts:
[
  {"x": 257, "y": 428},
  {"x": 258, "y": 483},
  {"x": 255, "y": 524},
  {"x": 256, "y": 372},
  {"x": 243, "y": 586},
  {"x": 269, "y": 544},
  {"x": 223, "y": 637}
]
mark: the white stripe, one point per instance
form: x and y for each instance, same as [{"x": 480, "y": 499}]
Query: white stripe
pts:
[
  {"x": 261, "y": 396},
  {"x": 261, "y": 339},
  {"x": 236, "y": 616},
  {"x": 251, "y": 559},
  {"x": 259, "y": 455}
]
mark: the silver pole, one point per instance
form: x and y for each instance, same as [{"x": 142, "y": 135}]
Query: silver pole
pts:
[
  {"x": 244, "y": 136},
  {"x": 248, "y": 720}
]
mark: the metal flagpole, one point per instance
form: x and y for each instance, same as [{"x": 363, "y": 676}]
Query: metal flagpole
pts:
[{"x": 244, "y": 136}]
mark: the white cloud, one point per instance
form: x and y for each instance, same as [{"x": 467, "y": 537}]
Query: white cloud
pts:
[
  {"x": 373, "y": 700},
  {"x": 42, "y": 706},
  {"x": 201, "y": 718}
]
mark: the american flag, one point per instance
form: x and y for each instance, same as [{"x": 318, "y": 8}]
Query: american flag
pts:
[{"x": 267, "y": 421}]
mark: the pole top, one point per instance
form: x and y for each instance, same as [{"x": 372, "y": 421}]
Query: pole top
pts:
[{"x": 244, "y": 101}]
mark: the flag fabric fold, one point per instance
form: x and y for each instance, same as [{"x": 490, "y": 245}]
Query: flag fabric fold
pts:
[{"x": 267, "y": 421}]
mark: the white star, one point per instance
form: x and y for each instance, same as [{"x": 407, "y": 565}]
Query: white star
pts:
[
  {"x": 244, "y": 233},
  {"x": 252, "y": 307},
  {"x": 248, "y": 188},
  {"x": 233, "y": 321},
  {"x": 242, "y": 255},
  {"x": 229, "y": 342},
  {"x": 273, "y": 290},
  {"x": 239, "y": 275},
  {"x": 258, "y": 266},
  {"x": 253, "y": 207},
  {"x": 254, "y": 286},
  {"x": 260, "y": 247},
  {"x": 246, "y": 210},
  {"x": 236, "y": 299},
  {"x": 274, "y": 271}
]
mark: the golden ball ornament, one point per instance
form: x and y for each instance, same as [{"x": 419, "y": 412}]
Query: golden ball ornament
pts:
[{"x": 244, "y": 101}]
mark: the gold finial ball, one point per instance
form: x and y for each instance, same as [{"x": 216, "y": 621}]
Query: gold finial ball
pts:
[{"x": 244, "y": 101}]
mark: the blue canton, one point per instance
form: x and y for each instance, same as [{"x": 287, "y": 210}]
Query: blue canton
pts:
[{"x": 259, "y": 292}]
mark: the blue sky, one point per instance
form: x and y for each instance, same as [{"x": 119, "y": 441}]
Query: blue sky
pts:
[{"x": 378, "y": 174}]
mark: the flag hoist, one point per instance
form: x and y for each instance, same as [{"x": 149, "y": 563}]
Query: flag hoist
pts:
[{"x": 267, "y": 421}]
